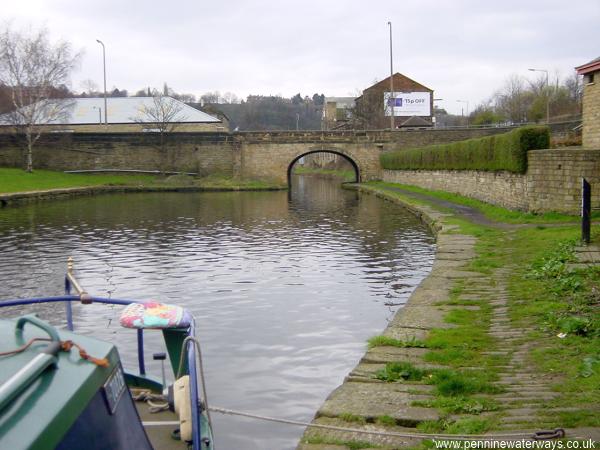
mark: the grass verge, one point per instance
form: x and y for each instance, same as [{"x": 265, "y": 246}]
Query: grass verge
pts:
[
  {"x": 447, "y": 382},
  {"x": 547, "y": 290},
  {"x": 346, "y": 175},
  {"x": 17, "y": 180},
  {"x": 378, "y": 341},
  {"x": 492, "y": 212}
]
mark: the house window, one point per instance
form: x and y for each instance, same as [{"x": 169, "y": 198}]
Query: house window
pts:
[{"x": 589, "y": 78}]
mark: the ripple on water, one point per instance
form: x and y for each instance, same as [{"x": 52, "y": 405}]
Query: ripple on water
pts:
[{"x": 285, "y": 292}]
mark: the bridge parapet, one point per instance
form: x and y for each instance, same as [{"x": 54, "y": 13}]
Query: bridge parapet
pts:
[
  {"x": 313, "y": 136},
  {"x": 405, "y": 138}
]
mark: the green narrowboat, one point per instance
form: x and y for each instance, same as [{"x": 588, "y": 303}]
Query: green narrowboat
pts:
[{"x": 62, "y": 390}]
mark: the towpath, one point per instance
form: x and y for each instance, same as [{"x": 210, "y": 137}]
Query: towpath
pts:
[{"x": 519, "y": 401}]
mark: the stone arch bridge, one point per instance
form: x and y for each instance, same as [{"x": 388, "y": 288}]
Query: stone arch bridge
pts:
[
  {"x": 271, "y": 155},
  {"x": 274, "y": 160},
  {"x": 266, "y": 155}
]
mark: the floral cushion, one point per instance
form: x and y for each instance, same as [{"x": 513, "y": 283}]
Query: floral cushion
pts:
[{"x": 155, "y": 315}]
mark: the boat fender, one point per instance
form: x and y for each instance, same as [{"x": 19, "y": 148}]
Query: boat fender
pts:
[
  {"x": 171, "y": 397},
  {"x": 183, "y": 406}
]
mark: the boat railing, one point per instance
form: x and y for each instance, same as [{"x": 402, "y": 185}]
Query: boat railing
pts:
[{"x": 83, "y": 297}]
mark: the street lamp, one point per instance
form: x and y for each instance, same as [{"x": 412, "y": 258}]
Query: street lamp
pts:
[
  {"x": 391, "y": 99},
  {"x": 104, "y": 65},
  {"x": 434, "y": 119},
  {"x": 547, "y": 93},
  {"x": 462, "y": 110}
]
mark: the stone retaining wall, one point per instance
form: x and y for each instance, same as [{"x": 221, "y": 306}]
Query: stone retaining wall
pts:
[
  {"x": 552, "y": 182},
  {"x": 202, "y": 153},
  {"x": 499, "y": 188},
  {"x": 554, "y": 178}
]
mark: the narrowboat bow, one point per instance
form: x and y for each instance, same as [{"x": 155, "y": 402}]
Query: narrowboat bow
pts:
[{"x": 61, "y": 390}]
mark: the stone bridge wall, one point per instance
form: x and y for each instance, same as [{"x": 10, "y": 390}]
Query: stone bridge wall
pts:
[
  {"x": 269, "y": 154},
  {"x": 202, "y": 153},
  {"x": 266, "y": 155}
]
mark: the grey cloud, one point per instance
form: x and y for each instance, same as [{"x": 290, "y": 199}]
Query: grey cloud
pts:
[{"x": 457, "y": 47}]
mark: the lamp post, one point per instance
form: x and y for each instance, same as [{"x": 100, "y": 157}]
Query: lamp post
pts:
[
  {"x": 467, "y": 102},
  {"x": 433, "y": 113},
  {"x": 391, "y": 99},
  {"x": 104, "y": 66},
  {"x": 547, "y": 93}
]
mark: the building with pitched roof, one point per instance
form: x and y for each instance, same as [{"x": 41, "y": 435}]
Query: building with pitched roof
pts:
[
  {"x": 125, "y": 114},
  {"x": 591, "y": 103},
  {"x": 411, "y": 104},
  {"x": 337, "y": 111}
]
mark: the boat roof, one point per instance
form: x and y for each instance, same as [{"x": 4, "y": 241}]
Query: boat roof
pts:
[{"x": 42, "y": 414}]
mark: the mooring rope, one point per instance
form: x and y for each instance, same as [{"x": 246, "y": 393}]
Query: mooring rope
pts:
[
  {"x": 65, "y": 346},
  {"x": 558, "y": 433},
  {"x": 538, "y": 435},
  {"x": 147, "y": 396}
]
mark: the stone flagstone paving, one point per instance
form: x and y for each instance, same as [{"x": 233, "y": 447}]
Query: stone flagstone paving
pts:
[{"x": 361, "y": 399}]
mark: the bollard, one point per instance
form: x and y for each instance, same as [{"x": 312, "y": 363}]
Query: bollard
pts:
[{"x": 586, "y": 210}]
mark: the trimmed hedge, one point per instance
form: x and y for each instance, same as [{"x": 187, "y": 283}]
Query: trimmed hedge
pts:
[{"x": 507, "y": 151}]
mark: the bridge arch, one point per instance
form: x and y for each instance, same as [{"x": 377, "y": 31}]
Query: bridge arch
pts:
[{"x": 353, "y": 163}]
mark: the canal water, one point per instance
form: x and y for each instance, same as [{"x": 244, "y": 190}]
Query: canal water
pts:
[{"x": 285, "y": 288}]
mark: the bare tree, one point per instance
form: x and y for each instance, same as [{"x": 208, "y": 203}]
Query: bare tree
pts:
[
  {"x": 210, "y": 97},
  {"x": 37, "y": 72},
  {"x": 514, "y": 100},
  {"x": 574, "y": 86},
  {"x": 163, "y": 115},
  {"x": 185, "y": 98},
  {"x": 521, "y": 101},
  {"x": 5, "y": 100},
  {"x": 367, "y": 112},
  {"x": 145, "y": 92},
  {"x": 90, "y": 87},
  {"x": 230, "y": 97}
]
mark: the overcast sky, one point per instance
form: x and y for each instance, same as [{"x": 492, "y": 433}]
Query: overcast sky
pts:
[{"x": 462, "y": 49}]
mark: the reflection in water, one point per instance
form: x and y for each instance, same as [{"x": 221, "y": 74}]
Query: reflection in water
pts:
[{"x": 285, "y": 291}]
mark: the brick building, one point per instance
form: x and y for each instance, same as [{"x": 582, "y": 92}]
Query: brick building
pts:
[
  {"x": 591, "y": 103},
  {"x": 337, "y": 111},
  {"x": 412, "y": 104}
]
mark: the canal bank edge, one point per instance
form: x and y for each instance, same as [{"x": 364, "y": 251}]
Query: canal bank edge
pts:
[
  {"x": 21, "y": 198},
  {"x": 460, "y": 318},
  {"x": 365, "y": 399}
]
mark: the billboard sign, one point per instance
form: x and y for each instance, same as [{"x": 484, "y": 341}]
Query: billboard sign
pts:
[{"x": 407, "y": 103}]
